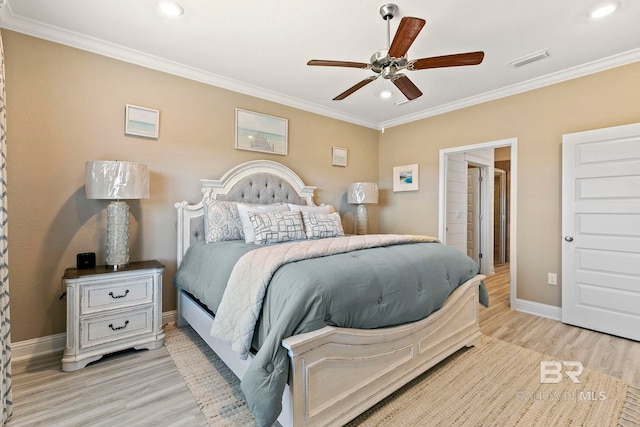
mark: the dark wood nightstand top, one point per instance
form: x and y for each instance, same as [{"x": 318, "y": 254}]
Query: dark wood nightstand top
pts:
[{"x": 74, "y": 273}]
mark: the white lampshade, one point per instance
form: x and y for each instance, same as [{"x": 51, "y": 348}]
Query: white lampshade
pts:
[
  {"x": 115, "y": 180},
  {"x": 362, "y": 192}
]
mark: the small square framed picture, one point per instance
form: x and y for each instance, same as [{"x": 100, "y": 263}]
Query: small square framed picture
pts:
[
  {"x": 405, "y": 178},
  {"x": 141, "y": 121},
  {"x": 339, "y": 156}
]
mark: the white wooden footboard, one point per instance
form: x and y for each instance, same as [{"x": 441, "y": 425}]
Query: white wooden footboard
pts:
[{"x": 339, "y": 373}]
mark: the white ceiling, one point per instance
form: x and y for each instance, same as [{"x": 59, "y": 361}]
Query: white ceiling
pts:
[{"x": 261, "y": 47}]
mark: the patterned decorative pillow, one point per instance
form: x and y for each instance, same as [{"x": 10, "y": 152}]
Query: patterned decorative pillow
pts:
[
  {"x": 276, "y": 227},
  {"x": 324, "y": 209},
  {"x": 245, "y": 208},
  {"x": 322, "y": 226},
  {"x": 222, "y": 221}
]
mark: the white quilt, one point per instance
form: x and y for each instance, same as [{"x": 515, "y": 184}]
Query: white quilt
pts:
[{"x": 241, "y": 303}]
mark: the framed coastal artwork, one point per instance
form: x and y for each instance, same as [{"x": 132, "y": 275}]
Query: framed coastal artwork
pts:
[
  {"x": 406, "y": 178},
  {"x": 339, "y": 156},
  {"x": 141, "y": 121},
  {"x": 261, "y": 132}
]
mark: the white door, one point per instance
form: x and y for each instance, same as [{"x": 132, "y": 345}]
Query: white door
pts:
[
  {"x": 473, "y": 214},
  {"x": 601, "y": 230},
  {"x": 456, "y": 203}
]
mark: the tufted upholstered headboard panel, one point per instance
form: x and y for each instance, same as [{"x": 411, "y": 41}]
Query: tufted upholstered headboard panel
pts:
[
  {"x": 259, "y": 181},
  {"x": 261, "y": 188},
  {"x": 264, "y": 189}
]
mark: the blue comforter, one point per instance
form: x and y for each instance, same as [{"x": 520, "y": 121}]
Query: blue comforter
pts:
[{"x": 370, "y": 288}]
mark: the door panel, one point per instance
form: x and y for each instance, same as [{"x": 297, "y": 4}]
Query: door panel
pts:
[
  {"x": 473, "y": 214},
  {"x": 601, "y": 229},
  {"x": 456, "y": 203}
]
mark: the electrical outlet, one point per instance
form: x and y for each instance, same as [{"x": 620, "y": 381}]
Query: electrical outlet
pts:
[{"x": 552, "y": 278}]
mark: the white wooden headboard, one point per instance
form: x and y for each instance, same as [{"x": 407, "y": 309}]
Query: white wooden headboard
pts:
[{"x": 276, "y": 182}]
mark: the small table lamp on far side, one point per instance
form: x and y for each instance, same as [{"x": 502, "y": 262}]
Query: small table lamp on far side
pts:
[
  {"x": 115, "y": 181},
  {"x": 361, "y": 193}
]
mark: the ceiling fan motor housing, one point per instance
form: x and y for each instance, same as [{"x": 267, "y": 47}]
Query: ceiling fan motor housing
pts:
[{"x": 385, "y": 65}]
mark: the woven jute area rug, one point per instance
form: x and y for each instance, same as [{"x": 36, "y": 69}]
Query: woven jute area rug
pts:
[{"x": 496, "y": 384}]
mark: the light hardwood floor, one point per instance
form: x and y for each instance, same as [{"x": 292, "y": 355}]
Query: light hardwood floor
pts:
[
  {"x": 143, "y": 388},
  {"x": 614, "y": 356}
]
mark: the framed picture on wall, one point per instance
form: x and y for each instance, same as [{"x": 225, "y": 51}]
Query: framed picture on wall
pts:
[
  {"x": 141, "y": 121},
  {"x": 261, "y": 132},
  {"x": 339, "y": 156},
  {"x": 406, "y": 178}
]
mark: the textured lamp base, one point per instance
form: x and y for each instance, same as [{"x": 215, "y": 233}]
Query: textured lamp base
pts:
[
  {"x": 117, "y": 235},
  {"x": 362, "y": 222}
]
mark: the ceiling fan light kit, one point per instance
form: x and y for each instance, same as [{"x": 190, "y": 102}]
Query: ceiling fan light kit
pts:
[{"x": 388, "y": 62}]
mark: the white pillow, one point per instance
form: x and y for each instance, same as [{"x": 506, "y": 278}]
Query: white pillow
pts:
[
  {"x": 322, "y": 226},
  {"x": 324, "y": 209},
  {"x": 245, "y": 208},
  {"x": 276, "y": 227},
  {"x": 222, "y": 221}
]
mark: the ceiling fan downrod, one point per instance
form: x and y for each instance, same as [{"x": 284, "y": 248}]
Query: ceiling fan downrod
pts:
[{"x": 388, "y": 11}]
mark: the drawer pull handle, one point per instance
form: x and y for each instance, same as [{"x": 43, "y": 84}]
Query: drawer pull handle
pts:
[
  {"x": 117, "y": 328},
  {"x": 119, "y": 296}
]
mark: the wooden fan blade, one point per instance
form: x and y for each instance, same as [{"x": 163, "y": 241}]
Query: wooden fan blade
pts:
[
  {"x": 407, "y": 87},
  {"x": 406, "y": 34},
  {"x": 354, "y": 88},
  {"x": 457, "y": 60},
  {"x": 326, "y": 63}
]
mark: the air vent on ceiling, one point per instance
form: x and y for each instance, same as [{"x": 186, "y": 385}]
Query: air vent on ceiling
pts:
[{"x": 532, "y": 57}]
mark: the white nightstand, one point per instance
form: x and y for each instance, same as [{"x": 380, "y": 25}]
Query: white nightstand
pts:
[{"x": 111, "y": 310}]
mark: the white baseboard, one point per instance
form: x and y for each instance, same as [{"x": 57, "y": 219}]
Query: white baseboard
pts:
[
  {"x": 28, "y": 349},
  {"x": 542, "y": 310},
  {"x": 169, "y": 317},
  {"x": 42, "y": 346}
]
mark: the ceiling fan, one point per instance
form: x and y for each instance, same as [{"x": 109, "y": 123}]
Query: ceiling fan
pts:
[{"x": 388, "y": 62}]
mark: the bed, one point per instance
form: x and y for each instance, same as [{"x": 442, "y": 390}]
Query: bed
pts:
[{"x": 334, "y": 373}]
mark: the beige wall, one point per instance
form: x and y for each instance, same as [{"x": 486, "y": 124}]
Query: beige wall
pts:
[
  {"x": 538, "y": 119},
  {"x": 66, "y": 106}
]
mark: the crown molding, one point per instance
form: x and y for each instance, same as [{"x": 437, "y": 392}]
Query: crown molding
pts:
[
  {"x": 58, "y": 35},
  {"x": 122, "y": 53},
  {"x": 618, "y": 60}
]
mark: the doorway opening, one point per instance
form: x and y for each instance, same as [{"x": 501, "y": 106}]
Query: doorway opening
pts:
[{"x": 497, "y": 200}]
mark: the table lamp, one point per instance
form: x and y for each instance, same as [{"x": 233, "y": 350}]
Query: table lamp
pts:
[
  {"x": 361, "y": 193},
  {"x": 115, "y": 181}
]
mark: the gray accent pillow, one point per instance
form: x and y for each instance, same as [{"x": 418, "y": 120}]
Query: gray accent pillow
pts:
[
  {"x": 222, "y": 221},
  {"x": 276, "y": 227},
  {"x": 245, "y": 208},
  {"x": 322, "y": 226}
]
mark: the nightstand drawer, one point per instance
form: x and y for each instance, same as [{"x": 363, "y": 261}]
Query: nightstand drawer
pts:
[
  {"x": 109, "y": 294},
  {"x": 103, "y": 329}
]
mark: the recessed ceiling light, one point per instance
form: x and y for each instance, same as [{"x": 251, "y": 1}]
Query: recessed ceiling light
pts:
[
  {"x": 385, "y": 94},
  {"x": 603, "y": 10},
  {"x": 170, "y": 8}
]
